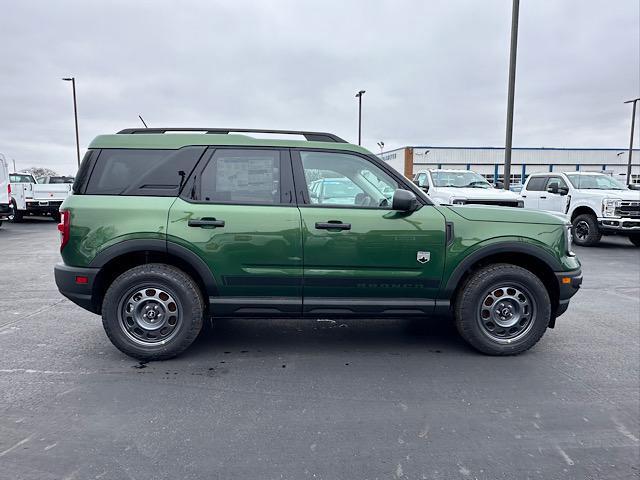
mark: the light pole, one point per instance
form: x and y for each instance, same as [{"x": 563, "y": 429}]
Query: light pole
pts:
[
  {"x": 381, "y": 145},
  {"x": 75, "y": 114},
  {"x": 359, "y": 96},
  {"x": 512, "y": 90},
  {"x": 633, "y": 124}
]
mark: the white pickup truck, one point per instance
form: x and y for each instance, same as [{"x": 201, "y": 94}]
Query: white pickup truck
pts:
[
  {"x": 31, "y": 198},
  {"x": 463, "y": 187},
  {"x": 5, "y": 190},
  {"x": 595, "y": 203}
]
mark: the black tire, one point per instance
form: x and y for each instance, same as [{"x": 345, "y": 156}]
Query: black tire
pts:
[
  {"x": 585, "y": 231},
  {"x": 635, "y": 239},
  {"x": 125, "y": 326},
  {"x": 16, "y": 215},
  {"x": 56, "y": 216},
  {"x": 470, "y": 310}
]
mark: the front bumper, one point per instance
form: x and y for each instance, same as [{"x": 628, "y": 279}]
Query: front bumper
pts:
[
  {"x": 619, "y": 224},
  {"x": 80, "y": 293},
  {"x": 569, "y": 283}
]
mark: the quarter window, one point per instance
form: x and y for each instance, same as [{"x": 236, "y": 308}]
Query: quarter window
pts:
[
  {"x": 242, "y": 176},
  {"x": 343, "y": 179},
  {"x": 536, "y": 184}
]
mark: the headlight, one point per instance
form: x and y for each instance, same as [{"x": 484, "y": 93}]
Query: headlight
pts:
[
  {"x": 520, "y": 203},
  {"x": 457, "y": 201},
  {"x": 609, "y": 207}
]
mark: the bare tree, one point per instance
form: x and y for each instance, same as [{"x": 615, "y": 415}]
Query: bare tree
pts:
[{"x": 41, "y": 172}]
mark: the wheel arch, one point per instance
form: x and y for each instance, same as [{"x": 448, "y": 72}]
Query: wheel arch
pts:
[
  {"x": 533, "y": 258},
  {"x": 125, "y": 255},
  {"x": 583, "y": 210}
]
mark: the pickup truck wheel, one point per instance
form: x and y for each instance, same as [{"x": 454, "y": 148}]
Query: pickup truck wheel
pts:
[
  {"x": 584, "y": 230},
  {"x": 502, "y": 309},
  {"x": 635, "y": 239},
  {"x": 153, "y": 312}
]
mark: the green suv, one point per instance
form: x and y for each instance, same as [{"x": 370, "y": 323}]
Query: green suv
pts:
[{"x": 169, "y": 228}]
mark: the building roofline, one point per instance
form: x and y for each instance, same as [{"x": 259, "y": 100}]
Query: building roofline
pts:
[{"x": 624, "y": 149}]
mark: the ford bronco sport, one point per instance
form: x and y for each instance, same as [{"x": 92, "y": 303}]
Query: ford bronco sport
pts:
[{"x": 165, "y": 231}]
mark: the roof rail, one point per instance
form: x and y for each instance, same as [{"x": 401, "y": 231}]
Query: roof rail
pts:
[{"x": 310, "y": 136}]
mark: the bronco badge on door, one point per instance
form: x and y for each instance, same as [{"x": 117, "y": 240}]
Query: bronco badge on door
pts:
[{"x": 423, "y": 257}]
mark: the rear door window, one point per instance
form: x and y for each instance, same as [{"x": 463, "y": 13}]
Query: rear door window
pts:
[
  {"x": 140, "y": 172},
  {"x": 243, "y": 176},
  {"x": 536, "y": 184}
]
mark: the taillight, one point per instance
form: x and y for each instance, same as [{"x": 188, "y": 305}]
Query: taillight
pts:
[
  {"x": 64, "y": 227},
  {"x": 9, "y": 190}
]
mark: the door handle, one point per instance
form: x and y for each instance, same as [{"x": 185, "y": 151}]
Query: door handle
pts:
[
  {"x": 543, "y": 197},
  {"x": 206, "y": 222},
  {"x": 523, "y": 196},
  {"x": 333, "y": 225}
]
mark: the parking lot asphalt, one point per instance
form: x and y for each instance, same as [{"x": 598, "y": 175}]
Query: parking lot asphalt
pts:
[{"x": 258, "y": 399}]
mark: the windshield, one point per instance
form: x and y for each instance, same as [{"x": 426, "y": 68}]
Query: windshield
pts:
[
  {"x": 594, "y": 182},
  {"x": 467, "y": 179},
  {"x": 19, "y": 178}
]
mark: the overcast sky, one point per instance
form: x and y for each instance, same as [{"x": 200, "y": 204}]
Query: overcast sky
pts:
[{"x": 435, "y": 72}]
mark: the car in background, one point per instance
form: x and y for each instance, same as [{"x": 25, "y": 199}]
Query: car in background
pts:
[
  {"x": 55, "y": 179},
  {"x": 31, "y": 198},
  {"x": 595, "y": 203},
  {"x": 327, "y": 191},
  {"x": 5, "y": 190},
  {"x": 463, "y": 187}
]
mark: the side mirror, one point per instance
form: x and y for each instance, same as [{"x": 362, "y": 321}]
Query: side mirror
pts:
[
  {"x": 404, "y": 201},
  {"x": 416, "y": 182},
  {"x": 499, "y": 185},
  {"x": 563, "y": 190},
  {"x": 553, "y": 188}
]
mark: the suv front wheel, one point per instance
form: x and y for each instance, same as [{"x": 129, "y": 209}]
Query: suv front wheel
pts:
[
  {"x": 502, "y": 309},
  {"x": 153, "y": 312}
]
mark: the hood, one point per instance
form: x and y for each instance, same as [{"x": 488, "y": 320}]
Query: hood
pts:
[
  {"x": 488, "y": 213},
  {"x": 618, "y": 194},
  {"x": 478, "y": 193}
]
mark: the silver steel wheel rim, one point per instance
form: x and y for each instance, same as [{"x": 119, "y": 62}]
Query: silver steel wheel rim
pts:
[
  {"x": 506, "y": 313},
  {"x": 582, "y": 230},
  {"x": 150, "y": 315}
]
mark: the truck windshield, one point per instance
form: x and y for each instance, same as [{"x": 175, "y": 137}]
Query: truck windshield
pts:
[
  {"x": 467, "y": 179},
  {"x": 594, "y": 182},
  {"x": 60, "y": 180},
  {"x": 21, "y": 178}
]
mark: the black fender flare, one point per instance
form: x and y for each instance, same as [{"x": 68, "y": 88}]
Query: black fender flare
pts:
[
  {"x": 163, "y": 247},
  {"x": 498, "y": 247}
]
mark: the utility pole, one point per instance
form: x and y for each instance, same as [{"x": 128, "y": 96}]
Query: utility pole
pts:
[
  {"x": 633, "y": 124},
  {"x": 75, "y": 114},
  {"x": 359, "y": 97},
  {"x": 512, "y": 90}
]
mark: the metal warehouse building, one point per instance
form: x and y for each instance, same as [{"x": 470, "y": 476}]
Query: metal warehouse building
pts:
[{"x": 489, "y": 161}]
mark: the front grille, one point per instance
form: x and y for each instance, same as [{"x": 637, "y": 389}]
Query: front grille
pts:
[
  {"x": 500, "y": 203},
  {"x": 628, "y": 209}
]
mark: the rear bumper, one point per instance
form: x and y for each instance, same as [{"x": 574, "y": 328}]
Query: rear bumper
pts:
[
  {"x": 569, "y": 283},
  {"x": 5, "y": 210},
  {"x": 33, "y": 206},
  {"x": 79, "y": 293}
]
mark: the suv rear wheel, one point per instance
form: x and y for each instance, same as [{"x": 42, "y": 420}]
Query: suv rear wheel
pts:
[
  {"x": 502, "y": 309},
  {"x": 584, "y": 230},
  {"x": 153, "y": 312}
]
